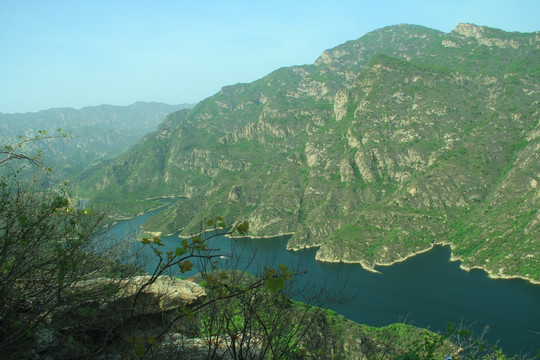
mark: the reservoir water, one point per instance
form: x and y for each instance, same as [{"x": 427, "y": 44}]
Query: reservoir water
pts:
[{"x": 427, "y": 290}]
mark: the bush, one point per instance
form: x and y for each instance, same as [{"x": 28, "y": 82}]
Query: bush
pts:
[{"x": 47, "y": 245}]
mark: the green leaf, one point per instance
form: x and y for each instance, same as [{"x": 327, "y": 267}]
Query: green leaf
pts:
[
  {"x": 185, "y": 266},
  {"x": 152, "y": 341},
  {"x": 286, "y": 273},
  {"x": 274, "y": 284},
  {"x": 196, "y": 240},
  {"x": 180, "y": 251},
  {"x": 211, "y": 280},
  {"x": 138, "y": 347},
  {"x": 243, "y": 228}
]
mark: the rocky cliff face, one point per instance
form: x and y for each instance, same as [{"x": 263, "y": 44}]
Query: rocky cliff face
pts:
[{"x": 388, "y": 144}]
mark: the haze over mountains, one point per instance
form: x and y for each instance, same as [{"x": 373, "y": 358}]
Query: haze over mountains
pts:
[
  {"x": 97, "y": 132},
  {"x": 386, "y": 145}
]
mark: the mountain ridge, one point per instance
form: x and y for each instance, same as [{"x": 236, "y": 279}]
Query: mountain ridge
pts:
[
  {"x": 386, "y": 145},
  {"x": 96, "y": 132}
]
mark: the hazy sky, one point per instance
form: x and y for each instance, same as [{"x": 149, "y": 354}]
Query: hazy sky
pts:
[{"x": 80, "y": 53}]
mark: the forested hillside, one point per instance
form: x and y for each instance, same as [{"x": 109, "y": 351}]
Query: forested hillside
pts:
[{"x": 386, "y": 145}]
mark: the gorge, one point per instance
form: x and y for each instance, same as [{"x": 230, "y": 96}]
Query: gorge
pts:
[
  {"x": 390, "y": 187},
  {"x": 407, "y": 147}
]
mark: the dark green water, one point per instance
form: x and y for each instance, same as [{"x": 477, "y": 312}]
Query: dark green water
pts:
[{"x": 427, "y": 290}]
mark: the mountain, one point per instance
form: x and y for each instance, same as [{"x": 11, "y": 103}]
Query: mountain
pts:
[
  {"x": 97, "y": 132},
  {"x": 386, "y": 145}
]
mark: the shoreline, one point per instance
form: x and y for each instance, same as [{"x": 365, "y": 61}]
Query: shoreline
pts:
[
  {"x": 262, "y": 237},
  {"x": 362, "y": 263},
  {"x": 303, "y": 248},
  {"x": 117, "y": 219},
  {"x": 453, "y": 258},
  {"x": 168, "y": 197},
  {"x": 490, "y": 274}
]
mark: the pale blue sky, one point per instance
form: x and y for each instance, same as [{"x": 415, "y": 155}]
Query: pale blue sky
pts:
[{"x": 81, "y": 53}]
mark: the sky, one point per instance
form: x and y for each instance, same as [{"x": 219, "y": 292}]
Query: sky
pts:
[{"x": 84, "y": 53}]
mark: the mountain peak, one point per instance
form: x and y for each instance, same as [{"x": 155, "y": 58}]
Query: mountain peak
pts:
[
  {"x": 485, "y": 36},
  {"x": 469, "y": 30}
]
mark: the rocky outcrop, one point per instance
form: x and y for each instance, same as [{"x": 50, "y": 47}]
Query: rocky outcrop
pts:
[
  {"x": 312, "y": 155},
  {"x": 141, "y": 296},
  {"x": 365, "y": 163},
  {"x": 346, "y": 171},
  {"x": 340, "y": 104},
  {"x": 482, "y": 35},
  {"x": 235, "y": 193},
  {"x": 109, "y": 311}
]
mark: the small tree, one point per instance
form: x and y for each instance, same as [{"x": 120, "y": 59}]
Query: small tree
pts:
[
  {"x": 243, "y": 316},
  {"x": 46, "y": 246}
]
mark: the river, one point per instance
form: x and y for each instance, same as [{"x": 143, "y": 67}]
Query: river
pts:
[{"x": 427, "y": 290}]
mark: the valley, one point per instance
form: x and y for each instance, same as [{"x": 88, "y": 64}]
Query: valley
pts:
[{"x": 394, "y": 162}]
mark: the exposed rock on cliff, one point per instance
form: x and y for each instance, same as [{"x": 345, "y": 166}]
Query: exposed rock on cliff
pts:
[
  {"x": 341, "y": 101},
  {"x": 108, "y": 314},
  {"x": 126, "y": 305},
  {"x": 388, "y": 144}
]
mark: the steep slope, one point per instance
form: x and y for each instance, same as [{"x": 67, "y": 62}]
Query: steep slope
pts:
[
  {"x": 389, "y": 144},
  {"x": 98, "y": 132}
]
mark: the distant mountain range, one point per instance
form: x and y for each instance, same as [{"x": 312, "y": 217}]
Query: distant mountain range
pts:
[
  {"x": 97, "y": 132},
  {"x": 386, "y": 145}
]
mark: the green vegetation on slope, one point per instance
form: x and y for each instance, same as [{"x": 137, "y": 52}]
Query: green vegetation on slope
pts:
[
  {"x": 388, "y": 144},
  {"x": 97, "y": 132}
]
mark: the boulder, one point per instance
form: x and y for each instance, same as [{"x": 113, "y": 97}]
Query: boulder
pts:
[
  {"x": 138, "y": 296},
  {"x": 134, "y": 306}
]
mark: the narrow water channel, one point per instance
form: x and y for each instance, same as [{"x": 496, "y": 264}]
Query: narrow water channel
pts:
[{"x": 427, "y": 290}]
